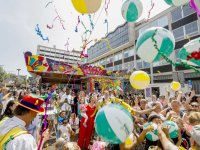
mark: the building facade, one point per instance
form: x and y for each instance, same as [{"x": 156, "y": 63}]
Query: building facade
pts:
[
  {"x": 181, "y": 21},
  {"x": 63, "y": 56}
]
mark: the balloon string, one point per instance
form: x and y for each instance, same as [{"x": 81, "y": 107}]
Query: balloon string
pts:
[
  {"x": 45, "y": 119},
  {"x": 169, "y": 61},
  {"x": 149, "y": 13}
]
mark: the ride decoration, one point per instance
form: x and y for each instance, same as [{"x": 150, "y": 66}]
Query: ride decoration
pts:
[
  {"x": 117, "y": 123},
  {"x": 131, "y": 10},
  {"x": 128, "y": 107},
  {"x": 168, "y": 60}
]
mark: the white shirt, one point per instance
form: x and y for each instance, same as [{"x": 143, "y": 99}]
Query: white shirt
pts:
[
  {"x": 65, "y": 130},
  {"x": 21, "y": 142},
  {"x": 61, "y": 94},
  {"x": 5, "y": 102},
  {"x": 74, "y": 123},
  {"x": 65, "y": 106}
]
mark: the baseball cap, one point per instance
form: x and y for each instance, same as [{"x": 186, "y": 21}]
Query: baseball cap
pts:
[{"x": 195, "y": 133}]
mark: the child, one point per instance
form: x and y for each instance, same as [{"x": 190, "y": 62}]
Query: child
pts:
[
  {"x": 158, "y": 110},
  {"x": 83, "y": 110},
  {"x": 60, "y": 122},
  {"x": 74, "y": 122},
  {"x": 65, "y": 128}
]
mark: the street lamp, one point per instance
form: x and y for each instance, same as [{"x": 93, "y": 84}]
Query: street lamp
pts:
[{"x": 18, "y": 73}]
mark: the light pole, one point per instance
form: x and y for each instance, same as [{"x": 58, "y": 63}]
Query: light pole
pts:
[{"x": 18, "y": 74}]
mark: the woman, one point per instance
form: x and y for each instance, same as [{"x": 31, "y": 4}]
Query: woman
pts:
[
  {"x": 37, "y": 92},
  {"x": 8, "y": 113},
  {"x": 21, "y": 95},
  {"x": 136, "y": 104},
  {"x": 85, "y": 132}
]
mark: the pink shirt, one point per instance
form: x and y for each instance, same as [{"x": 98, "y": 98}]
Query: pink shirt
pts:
[{"x": 82, "y": 107}]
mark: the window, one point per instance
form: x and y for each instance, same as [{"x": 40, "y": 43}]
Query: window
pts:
[
  {"x": 181, "y": 12},
  {"x": 118, "y": 56},
  {"x": 116, "y": 68},
  {"x": 102, "y": 62},
  {"x": 143, "y": 29},
  {"x": 139, "y": 63},
  {"x": 162, "y": 62},
  {"x": 177, "y": 56},
  {"x": 108, "y": 60},
  {"x": 190, "y": 29},
  {"x": 178, "y": 34},
  {"x": 128, "y": 52},
  {"x": 146, "y": 64},
  {"x": 161, "y": 22},
  {"x": 120, "y": 67}
]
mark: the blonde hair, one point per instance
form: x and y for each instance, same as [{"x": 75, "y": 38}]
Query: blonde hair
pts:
[
  {"x": 194, "y": 117},
  {"x": 175, "y": 101},
  {"x": 59, "y": 142}
]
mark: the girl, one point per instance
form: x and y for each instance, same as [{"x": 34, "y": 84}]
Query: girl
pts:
[
  {"x": 65, "y": 129},
  {"x": 8, "y": 113},
  {"x": 63, "y": 144},
  {"x": 83, "y": 110},
  {"x": 157, "y": 111},
  {"x": 136, "y": 104},
  {"x": 74, "y": 122}
]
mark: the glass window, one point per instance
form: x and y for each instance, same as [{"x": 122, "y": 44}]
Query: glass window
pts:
[
  {"x": 177, "y": 56},
  {"x": 130, "y": 65},
  {"x": 178, "y": 34},
  {"x": 131, "y": 52},
  {"x": 158, "y": 63},
  {"x": 116, "y": 57},
  {"x": 176, "y": 14},
  {"x": 120, "y": 67},
  {"x": 143, "y": 29},
  {"x": 164, "y": 61},
  {"x": 116, "y": 68},
  {"x": 146, "y": 64},
  {"x": 120, "y": 55},
  {"x": 191, "y": 29},
  {"x": 111, "y": 68},
  {"x": 187, "y": 11},
  {"x": 139, "y": 63},
  {"x": 126, "y": 53},
  {"x": 154, "y": 23},
  {"x": 125, "y": 66},
  {"x": 163, "y": 21}
]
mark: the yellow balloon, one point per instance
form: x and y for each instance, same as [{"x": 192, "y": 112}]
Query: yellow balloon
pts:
[
  {"x": 175, "y": 86},
  {"x": 87, "y": 6},
  {"x": 129, "y": 141},
  {"x": 139, "y": 80}
]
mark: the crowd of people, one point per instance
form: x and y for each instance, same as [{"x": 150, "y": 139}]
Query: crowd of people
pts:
[{"x": 74, "y": 120}]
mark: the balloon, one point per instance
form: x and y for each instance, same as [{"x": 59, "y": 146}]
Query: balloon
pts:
[
  {"x": 173, "y": 131},
  {"x": 190, "y": 52},
  {"x": 150, "y": 135},
  {"x": 117, "y": 123},
  {"x": 132, "y": 10},
  {"x": 145, "y": 46},
  {"x": 129, "y": 141},
  {"x": 98, "y": 146},
  {"x": 176, "y": 3},
  {"x": 139, "y": 80},
  {"x": 175, "y": 86},
  {"x": 87, "y": 6}
]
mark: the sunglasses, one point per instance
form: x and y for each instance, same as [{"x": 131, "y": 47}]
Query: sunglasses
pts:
[
  {"x": 64, "y": 122},
  {"x": 136, "y": 122},
  {"x": 194, "y": 106}
]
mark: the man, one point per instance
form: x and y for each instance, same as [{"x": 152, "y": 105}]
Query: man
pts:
[
  {"x": 63, "y": 92},
  {"x": 195, "y": 138},
  {"x": 4, "y": 92},
  {"x": 65, "y": 102},
  {"x": 154, "y": 99},
  {"x": 121, "y": 94},
  {"x": 110, "y": 94},
  {"x": 14, "y": 127}
]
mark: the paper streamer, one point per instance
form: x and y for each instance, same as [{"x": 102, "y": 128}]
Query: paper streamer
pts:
[
  {"x": 76, "y": 30},
  {"x": 49, "y": 3},
  {"x": 128, "y": 107},
  {"x": 125, "y": 86},
  {"x": 187, "y": 37},
  {"x": 106, "y": 8},
  {"x": 59, "y": 18},
  {"x": 47, "y": 145},
  {"x": 52, "y": 23},
  {"x": 159, "y": 72},
  {"x": 108, "y": 43},
  {"x": 169, "y": 61},
  {"x": 106, "y": 21},
  {"x": 45, "y": 119},
  {"x": 111, "y": 61},
  {"x": 83, "y": 25},
  {"x": 195, "y": 7},
  {"x": 39, "y": 33},
  {"x": 149, "y": 13},
  {"x": 98, "y": 45},
  {"x": 91, "y": 22},
  {"x": 67, "y": 44}
]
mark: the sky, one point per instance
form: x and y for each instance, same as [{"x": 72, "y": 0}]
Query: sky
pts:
[{"x": 18, "y": 20}]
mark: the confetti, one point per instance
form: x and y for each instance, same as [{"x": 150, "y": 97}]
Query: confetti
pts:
[
  {"x": 67, "y": 45},
  {"x": 59, "y": 18},
  {"x": 76, "y": 30},
  {"x": 49, "y": 3},
  {"x": 91, "y": 22},
  {"x": 107, "y": 8},
  {"x": 39, "y": 33},
  {"x": 187, "y": 37},
  {"x": 52, "y": 23},
  {"x": 106, "y": 21}
]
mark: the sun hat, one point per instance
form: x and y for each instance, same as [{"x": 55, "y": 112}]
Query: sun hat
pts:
[
  {"x": 195, "y": 133},
  {"x": 32, "y": 102}
]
